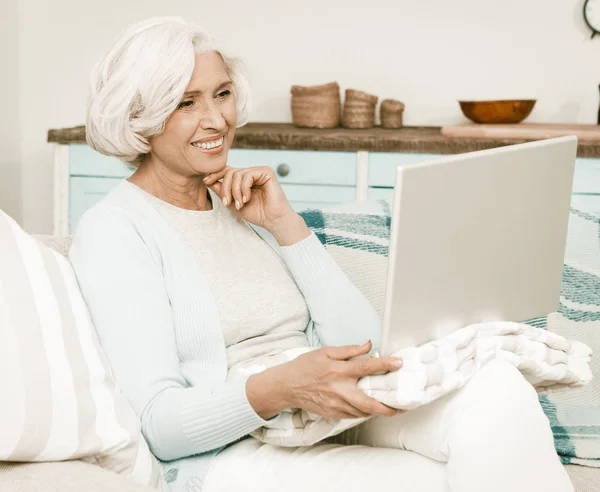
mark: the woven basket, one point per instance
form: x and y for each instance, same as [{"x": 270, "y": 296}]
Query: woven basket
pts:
[
  {"x": 391, "y": 113},
  {"x": 359, "y": 109},
  {"x": 316, "y": 106}
]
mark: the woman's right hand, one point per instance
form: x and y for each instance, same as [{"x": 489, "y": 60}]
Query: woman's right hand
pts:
[{"x": 322, "y": 381}]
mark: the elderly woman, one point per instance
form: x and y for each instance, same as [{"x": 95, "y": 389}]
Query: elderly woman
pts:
[{"x": 181, "y": 289}]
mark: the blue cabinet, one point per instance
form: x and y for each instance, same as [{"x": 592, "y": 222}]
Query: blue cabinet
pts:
[
  {"x": 85, "y": 162},
  {"x": 312, "y": 167},
  {"x": 85, "y": 192},
  {"x": 382, "y": 172},
  {"x": 586, "y": 185},
  {"x": 382, "y": 166},
  {"x": 310, "y": 179}
]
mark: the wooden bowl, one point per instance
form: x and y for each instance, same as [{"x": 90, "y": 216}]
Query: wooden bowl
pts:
[{"x": 506, "y": 111}]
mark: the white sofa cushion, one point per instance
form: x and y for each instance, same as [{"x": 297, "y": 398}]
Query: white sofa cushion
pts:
[
  {"x": 64, "y": 476},
  {"x": 59, "y": 400}
]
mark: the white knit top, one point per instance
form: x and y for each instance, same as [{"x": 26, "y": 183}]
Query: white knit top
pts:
[
  {"x": 157, "y": 307},
  {"x": 261, "y": 309}
]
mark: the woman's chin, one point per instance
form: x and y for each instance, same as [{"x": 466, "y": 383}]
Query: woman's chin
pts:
[
  {"x": 211, "y": 163},
  {"x": 209, "y": 168}
]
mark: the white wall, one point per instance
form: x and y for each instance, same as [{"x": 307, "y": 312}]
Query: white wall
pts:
[
  {"x": 10, "y": 159},
  {"x": 428, "y": 54}
]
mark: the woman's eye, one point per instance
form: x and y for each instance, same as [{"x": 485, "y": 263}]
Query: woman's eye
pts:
[
  {"x": 223, "y": 94},
  {"x": 185, "y": 104}
]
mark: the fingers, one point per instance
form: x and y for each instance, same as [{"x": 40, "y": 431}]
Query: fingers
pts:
[
  {"x": 247, "y": 182},
  {"x": 237, "y": 183},
  {"x": 226, "y": 195},
  {"x": 347, "y": 351},
  {"x": 369, "y": 406},
  {"x": 217, "y": 188},
  {"x": 374, "y": 365},
  {"x": 224, "y": 188},
  {"x": 351, "y": 412},
  {"x": 241, "y": 185},
  {"x": 236, "y": 189},
  {"x": 340, "y": 415},
  {"x": 212, "y": 181},
  {"x": 262, "y": 175},
  {"x": 344, "y": 410}
]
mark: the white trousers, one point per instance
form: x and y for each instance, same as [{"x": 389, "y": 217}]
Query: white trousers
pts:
[{"x": 490, "y": 436}]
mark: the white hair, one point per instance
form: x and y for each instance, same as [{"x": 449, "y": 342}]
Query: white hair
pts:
[{"x": 136, "y": 86}]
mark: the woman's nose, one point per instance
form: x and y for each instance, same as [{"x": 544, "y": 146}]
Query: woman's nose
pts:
[{"x": 211, "y": 117}]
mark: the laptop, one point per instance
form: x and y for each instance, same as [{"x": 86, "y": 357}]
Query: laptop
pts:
[{"x": 477, "y": 237}]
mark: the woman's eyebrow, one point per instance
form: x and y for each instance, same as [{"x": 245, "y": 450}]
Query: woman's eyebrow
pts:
[{"x": 199, "y": 92}]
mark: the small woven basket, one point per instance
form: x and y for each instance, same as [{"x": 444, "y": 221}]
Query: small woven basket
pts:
[
  {"x": 316, "y": 106},
  {"x": 359, "y": 109},
  {"x": 391, "y": 113}
]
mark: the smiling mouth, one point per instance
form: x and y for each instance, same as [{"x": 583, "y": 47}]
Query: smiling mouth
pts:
[{"x": 209, "y": 145}]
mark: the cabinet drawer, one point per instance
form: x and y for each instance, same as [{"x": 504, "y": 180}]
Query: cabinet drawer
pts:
[
  {"x": 382, "y": 170},
  {"x": 589, "y": 203},
  {"x": 84, "y": 161},
  {"x": 302, "y": 166},
  {"x": 303, "y": 197},
  {"x": 84, "y": 193},
  {"x": 382, "y": 166},
  {"x": 587, "y": 176}
]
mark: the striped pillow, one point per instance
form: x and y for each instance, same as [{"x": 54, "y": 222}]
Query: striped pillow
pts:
[{"x": 59, "y": 400}]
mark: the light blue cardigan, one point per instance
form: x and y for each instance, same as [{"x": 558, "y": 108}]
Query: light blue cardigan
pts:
[{"x": 158, "y": 323}]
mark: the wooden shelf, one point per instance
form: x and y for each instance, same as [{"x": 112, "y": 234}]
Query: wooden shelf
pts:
[{"x": 424, "y": 139}]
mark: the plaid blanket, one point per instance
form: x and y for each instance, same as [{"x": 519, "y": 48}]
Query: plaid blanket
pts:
[{"x": 357, "y": 237}]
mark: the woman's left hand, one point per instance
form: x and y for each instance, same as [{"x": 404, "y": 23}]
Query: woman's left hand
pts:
[{"x": 255, "y": 195}]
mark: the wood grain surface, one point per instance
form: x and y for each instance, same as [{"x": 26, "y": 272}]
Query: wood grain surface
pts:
[{"x": 412, "y": 139}]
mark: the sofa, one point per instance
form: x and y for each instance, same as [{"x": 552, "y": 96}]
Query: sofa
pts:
[
  {"x": 106, "y": 468},
  {"x": 64, "y": 476}
]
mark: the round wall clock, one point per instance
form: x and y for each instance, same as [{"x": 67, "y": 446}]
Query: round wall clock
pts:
[{"x": 591, "y": 15}]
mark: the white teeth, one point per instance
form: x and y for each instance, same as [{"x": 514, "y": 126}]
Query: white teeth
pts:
[{"x": 209, "y": 145}]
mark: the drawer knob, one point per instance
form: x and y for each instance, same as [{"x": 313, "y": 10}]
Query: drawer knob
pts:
[{"x": 283, "y": 170}]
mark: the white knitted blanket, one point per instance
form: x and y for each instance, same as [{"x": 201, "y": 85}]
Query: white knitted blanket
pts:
[
  {"x": 357, "y": 236},
  {"x": 547, "y": 360}
]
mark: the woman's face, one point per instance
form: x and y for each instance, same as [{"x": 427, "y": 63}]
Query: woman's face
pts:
[{"x": 199, "y": 133}]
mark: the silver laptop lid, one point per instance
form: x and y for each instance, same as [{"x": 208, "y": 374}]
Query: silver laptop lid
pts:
[{"x": 477, "y": 237}]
